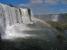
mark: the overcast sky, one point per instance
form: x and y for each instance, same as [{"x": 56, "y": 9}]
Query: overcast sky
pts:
[{"x": 41, "y": 6}]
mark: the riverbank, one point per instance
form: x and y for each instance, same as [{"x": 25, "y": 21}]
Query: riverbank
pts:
[
  {"x": 62, "y": 28},
  {"x": 58, "y": 25}
]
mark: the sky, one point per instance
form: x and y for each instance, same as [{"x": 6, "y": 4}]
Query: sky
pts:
[{"x": 41, "y": 6}]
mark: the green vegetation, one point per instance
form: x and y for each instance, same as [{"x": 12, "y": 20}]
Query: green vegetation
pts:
[
  {"x": 65, "y": 15},
  {"x": 59, "y": 25}
]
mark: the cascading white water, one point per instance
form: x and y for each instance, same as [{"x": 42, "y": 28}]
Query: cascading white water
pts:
[
  {"x": 12, "y": 17},
  {"x": 54, "y": 18},
  {"x": 25, "y": 16}
]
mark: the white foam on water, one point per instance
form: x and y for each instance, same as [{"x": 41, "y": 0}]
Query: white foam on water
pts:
[{"x": 16, "y": 31}]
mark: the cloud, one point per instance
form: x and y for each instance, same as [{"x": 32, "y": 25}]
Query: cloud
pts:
[
  {"x": 51, "y": 1},
  {"x": 45, "y": 1},
  {"x": 24, "y": 5},
  {"x": 55, "y": 1},
  {"x": 45, "y": 6},
  {"x": 64, "y": 1},
  {"x": 36, "y": 1}
]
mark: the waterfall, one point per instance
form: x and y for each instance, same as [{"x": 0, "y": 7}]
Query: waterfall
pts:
[
  {"x": 12, "y": 16},
  {"x": 54, "y": 17},
  {"x": 25, "y": 16}
]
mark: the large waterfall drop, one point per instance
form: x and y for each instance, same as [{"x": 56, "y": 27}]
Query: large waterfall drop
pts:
[{"x": 17, "y": 23}]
